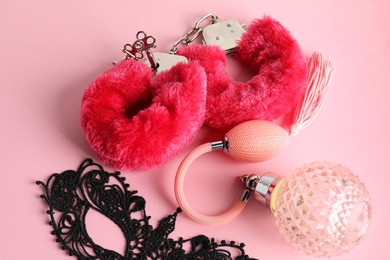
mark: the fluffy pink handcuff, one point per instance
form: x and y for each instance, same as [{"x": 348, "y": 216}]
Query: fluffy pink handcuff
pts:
[
  {"x": 134, "y": 119},
  {"x": 137, "y": 119}
]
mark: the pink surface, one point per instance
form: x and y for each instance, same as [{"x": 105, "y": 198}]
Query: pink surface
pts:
[{"x": 51, "y": 51}]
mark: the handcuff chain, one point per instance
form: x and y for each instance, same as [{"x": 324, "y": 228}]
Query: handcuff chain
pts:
[{"x": 193, "y": 33}]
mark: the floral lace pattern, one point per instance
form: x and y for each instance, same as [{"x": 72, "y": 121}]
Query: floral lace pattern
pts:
[{"x": 72, "y": 193}]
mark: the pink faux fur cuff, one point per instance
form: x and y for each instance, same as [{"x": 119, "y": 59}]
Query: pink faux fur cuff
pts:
[
  {"x": 134, "y": 120},
  {"x": 269, "y": 49}
]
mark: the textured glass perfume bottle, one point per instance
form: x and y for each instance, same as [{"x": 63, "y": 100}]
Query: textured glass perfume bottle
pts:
[{"x": 321, "y": 208}]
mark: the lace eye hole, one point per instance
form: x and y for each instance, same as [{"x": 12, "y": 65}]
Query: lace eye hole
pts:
[{"x": 104, "y": 232}]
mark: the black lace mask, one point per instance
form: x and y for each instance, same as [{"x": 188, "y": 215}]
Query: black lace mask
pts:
[{"x": 71, "y": 194}]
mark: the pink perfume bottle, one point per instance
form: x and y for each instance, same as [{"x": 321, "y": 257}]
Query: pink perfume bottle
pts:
[{"x": 321, "y": 208}]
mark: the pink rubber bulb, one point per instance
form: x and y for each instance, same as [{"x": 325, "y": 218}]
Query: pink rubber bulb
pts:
[
  {"x": 322, "y": 209},
  {"x": 255, "y": 141},
  {"x": 251, "y": 141}
]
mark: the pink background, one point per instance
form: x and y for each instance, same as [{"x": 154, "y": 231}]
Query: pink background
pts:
[{"x": 51, "y": 50}]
